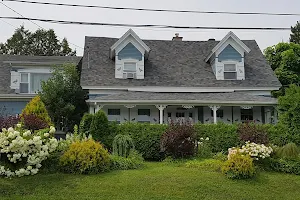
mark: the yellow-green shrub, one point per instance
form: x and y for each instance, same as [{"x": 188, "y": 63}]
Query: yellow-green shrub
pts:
[
  {"x": 239, "y": 167},
  {"x": 37, "y": 107},
  {"x": 85, "y": 157}
]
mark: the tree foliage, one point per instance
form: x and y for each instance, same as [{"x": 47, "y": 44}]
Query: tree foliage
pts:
[
  {"x": 37, "y": 108},
  {"x": 63, "y": 96},
  {"x": 289, "y": 108},
  {"x": 100, "y": 129},
  {"x": 38, "y": 43},
  {"x": 295, "y": 35},
  {"x": 284, "y": 59}
]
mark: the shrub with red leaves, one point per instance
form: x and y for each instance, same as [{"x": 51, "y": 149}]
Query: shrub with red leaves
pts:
[
  {"x": 253, "y": 133},
  {"x": 32, "y": 122},
  {"x": 10, "y": 121},
  {"x": 179, "y": 140}
]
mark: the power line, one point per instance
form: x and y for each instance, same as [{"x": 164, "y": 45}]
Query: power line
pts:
[
  {"x": 8, "y": 23},
  {"x": 143, "y": 25},
  {"x": 156, "y": 10},
  {"x": 32, "y": 21}
]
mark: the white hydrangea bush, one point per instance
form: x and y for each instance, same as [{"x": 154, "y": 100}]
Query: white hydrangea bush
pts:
[
  {"x": 256, "y": 151},
  {"x": 24, "y": 150}
]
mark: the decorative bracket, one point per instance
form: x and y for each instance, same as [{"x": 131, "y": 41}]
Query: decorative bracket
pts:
[
  {"x": 129, "y": 106},
  {"x": 187, "y": 106},
  {"x": 246, "y": 107},
  {"x": 161, "y": 107},
  {"x": 212, "y": 107}
]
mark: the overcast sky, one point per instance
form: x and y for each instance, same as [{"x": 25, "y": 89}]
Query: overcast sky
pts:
[{"x": 76, "y": 33}]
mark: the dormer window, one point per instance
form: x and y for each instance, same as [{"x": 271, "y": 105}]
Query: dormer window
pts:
[
  {"x": 227, "y": 58},
  {"x": 230, "y": 71},
  {"x": 129, "y": 54}
]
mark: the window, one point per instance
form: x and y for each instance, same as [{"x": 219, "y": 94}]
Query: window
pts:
[
  {"x": 129, "y": 67},
  {"x": 113, "y": 112},
  {"x": 191, "y": 115},
  {"x": 180, "y": 114},
  {"x": 246, "y": 114},
  {"x": 169, "y": 115},
  {"x": 144, "y": 115},
  {"x": 31, "y": 82},
  {"x": 230, "y": 72},
  {"x": 145, "y": 112},
  {"x": 220, "y": 113}
]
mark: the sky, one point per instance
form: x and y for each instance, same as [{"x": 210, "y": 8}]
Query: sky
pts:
[{"x": 76, "y": 33}]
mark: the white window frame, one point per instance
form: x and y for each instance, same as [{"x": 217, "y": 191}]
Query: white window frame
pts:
[
  {"x": 130, "y": 61},
  {"x": 28, "y": 82},
  {"x": 29, "y": 73},
  {"x": 230, "y": 63}
]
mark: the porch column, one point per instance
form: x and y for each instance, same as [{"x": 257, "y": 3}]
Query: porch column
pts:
[
  {"x": 129, "y": 106},
  {"x": 214, "y": 109},
  {"x": 91, "y": 109},
  {"x": 161, "y": 112}
]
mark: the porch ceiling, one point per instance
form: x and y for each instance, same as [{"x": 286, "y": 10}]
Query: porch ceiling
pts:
[{"x": 230, "y": 98}]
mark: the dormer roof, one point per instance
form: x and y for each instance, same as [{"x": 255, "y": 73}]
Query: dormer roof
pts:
[
  {"x": 224, "y": 40},
  {"x": 136, "y": 38}
]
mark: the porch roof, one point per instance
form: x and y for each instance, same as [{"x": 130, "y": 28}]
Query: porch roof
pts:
[{"x": 229, "y": 98}]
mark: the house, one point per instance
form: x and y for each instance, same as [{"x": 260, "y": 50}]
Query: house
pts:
[
  {"x": 21, "y": 76},
  {"x": 155, "y": 81}
]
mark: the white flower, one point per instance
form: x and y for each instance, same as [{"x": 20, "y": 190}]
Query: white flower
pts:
[
  {"x": 19, "y": 125},
  {"x": 207, "y": 138},
  {"x": 46, "y": 134},
  {"x": 52, "y": 130},
  {"x": 201, "y": 138},
  {"x": 10, "y": 129}
]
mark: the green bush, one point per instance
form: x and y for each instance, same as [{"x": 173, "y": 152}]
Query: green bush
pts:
[
  {"x": 220, "y": 156},
  {"x": 221, "y": 136},
  {"x": 146, "y": 138},
  {"x": 286, "y": 166},
  {"x": 85, "y": 123},
  {"x": 239, "y": 167},
  {"x": 204, "y": 149},
  {"x": 100, "y": 129},
  {"x": 253, "y": 133},
  {"x": 207, "y": 164},
  {"x": 85, "y": 157},
  {"x": 288, "y": 151},
  {"x": 122, "y": 145},
  {"x": 133, "y": 161}
]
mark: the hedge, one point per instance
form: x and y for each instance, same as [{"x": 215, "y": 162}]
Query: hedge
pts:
[{"x": 146, "y": 138}]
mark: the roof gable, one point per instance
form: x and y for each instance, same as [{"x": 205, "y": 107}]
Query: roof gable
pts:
[
  {"x": 238, "y": 44},
  {"x": 136, "y": 40}
]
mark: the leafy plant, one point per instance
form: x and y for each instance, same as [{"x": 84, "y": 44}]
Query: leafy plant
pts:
[
  {"x": 288, "y": 151},
  {"x": 85, "y": 157},
  {"x": 284, "y": 165},
  {"x": 11, "y": 121},
  {"x": 220, "y": 156},
  {"x": 204, "y": 150},
  {"x": 36, "y": 107},
  {"x": 100, "y": 129},
  {"x": 85, "y": 123},
  {"x": 239, "y": 167},
  {"x": 221, "y": 136},
  {"x": 179, "y": 140},
  {"x": 253, "y": 133},
  {"x": 32, "y": 122},
  {"x": 122, "y": 145},
  {"x": 133, "y": 161}
]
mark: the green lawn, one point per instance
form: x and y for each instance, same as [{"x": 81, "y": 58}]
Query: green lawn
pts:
[{"x": 154, "y": 181}]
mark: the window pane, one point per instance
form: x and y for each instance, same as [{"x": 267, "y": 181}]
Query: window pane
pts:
[
  {"x": 113, "y": 112},
  {"x": 220, "y": 113},
  {"x": 144, "y": 112},
  {"x": 36, "y": 80},
  {"x": 229, "y": 67},
  {"x": 24, "y": 78},
  {"x": 230, "y": 75},
  {"x": 246, "y": 114},
  {"x": 129, "y": 67},
  {"x": 24, "y": 88},
  {"x": 179, "y": 114}
]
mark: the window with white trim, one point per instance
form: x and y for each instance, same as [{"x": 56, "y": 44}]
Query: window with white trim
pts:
[
  {"x": 114, "y": 115},
  {"x": 129, "y": 67},
  {"x": 32, "y": 82},
  {"x": 230, "y": 71},
  {"x": 144, "y": 115},
  {"x": 246, "y": 115}
]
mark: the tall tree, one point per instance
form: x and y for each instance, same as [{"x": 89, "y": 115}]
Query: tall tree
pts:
[
  {"x": 295, "y": 35},
  {"x": 63, "y": 96},
  {"x": 284, "y": 59},
  {"x": 38, "y": 43}
]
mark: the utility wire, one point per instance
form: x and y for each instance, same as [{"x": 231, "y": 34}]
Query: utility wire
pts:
[
  {"x": 155, "y": 10},
  {"x": 32, "y": 21},
  {"x": 143, "y": 25},
  {"x": 8, "y": 23}
]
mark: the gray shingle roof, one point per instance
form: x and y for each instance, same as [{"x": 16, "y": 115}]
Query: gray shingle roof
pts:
[
  {"x": 173, "y": 64},
  {"x": 204, "y": 98},
  {"x": 5, "y": 67}
]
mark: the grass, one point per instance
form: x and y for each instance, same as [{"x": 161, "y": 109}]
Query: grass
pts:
[{"x": 155, "y": 181}]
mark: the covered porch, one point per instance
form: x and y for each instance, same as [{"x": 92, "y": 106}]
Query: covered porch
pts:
[{"x": 149, "y": 107}]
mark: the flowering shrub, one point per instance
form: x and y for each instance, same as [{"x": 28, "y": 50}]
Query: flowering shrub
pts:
[
  {"x": 256, "y": 151},
  {"x": 22, "y": 151},
  {"x": 85, "y": 157}
]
